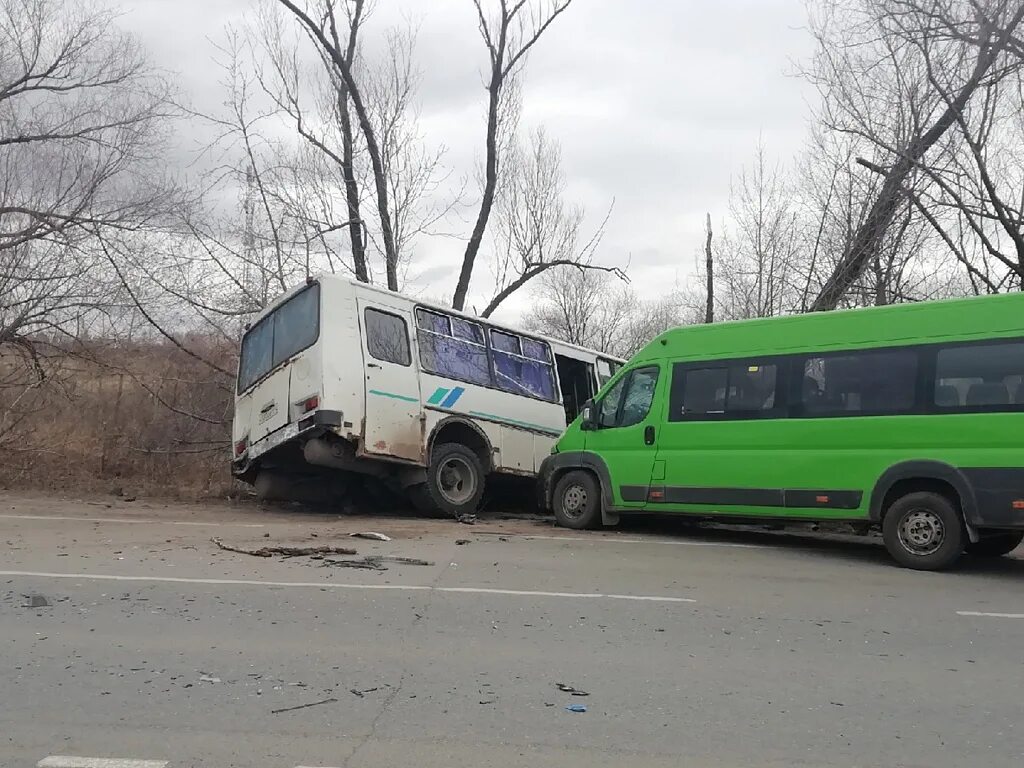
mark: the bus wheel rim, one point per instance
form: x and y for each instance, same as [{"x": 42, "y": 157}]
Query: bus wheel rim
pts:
[
  {"x": 456, "y": 480},
  {"x": 574, "y": 501},
  {"x": 922, "y": 532}
]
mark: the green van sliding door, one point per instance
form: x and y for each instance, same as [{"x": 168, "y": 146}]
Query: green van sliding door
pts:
[
  {"x": 724, "y": 445},
  {"x": 628, "y": 420}
]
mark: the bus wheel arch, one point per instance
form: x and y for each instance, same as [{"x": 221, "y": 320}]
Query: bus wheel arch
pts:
[{"x": 452, "y": 429}]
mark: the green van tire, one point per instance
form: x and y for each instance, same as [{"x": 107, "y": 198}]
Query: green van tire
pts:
[
  {"x": 923, "y": 530},
  {"x": 576, "y": 501}
]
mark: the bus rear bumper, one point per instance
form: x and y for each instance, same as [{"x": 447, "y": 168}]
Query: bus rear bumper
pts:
[{"x": 314, "y": 423}]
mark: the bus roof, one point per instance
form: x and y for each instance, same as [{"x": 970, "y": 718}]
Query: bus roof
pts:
[
  {"x": 892, "y": 325},
  {"x": 435, "y": 306}
]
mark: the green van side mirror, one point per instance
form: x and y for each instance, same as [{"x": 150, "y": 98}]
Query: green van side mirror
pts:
[{"x": 588, "y": 416}]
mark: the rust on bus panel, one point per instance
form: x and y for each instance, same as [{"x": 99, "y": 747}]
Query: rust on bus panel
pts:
[{"x": 408, "y": 444}]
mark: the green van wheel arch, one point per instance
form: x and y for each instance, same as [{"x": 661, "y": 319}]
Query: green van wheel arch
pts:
[
  {"x": 558, "y": 464},
  {"x": 924, "y": 471}
]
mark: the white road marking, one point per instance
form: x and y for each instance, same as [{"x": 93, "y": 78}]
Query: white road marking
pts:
[
  {"x": 127, "y": 520},
  {"x": 992, "y": 615},
  {"x": 70, "y": 761},
  {"x": 623, "y": 540},
  {"x": 330, "y": 585}
]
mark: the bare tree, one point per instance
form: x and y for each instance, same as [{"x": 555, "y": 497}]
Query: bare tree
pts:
[
  {"x": 594, "y": 309},
  {"x": 333, "y": 146},
  {"x": 536, "y": 229},
  {"x": 83, "y": 117},
  {"x": 758, "y": 255},
  {"x": 324, "y": 33},
  {"x": 508, "y": 35},
  {"x": 898, "y": 74},
  {"x": 317, "y": 100}
]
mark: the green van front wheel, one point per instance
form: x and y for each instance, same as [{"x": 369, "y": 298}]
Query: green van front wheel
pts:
[{"x": 577, "y": 500}]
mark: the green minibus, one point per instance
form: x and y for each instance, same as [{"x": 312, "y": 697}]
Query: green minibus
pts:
[{"x": 908, "y": 418}]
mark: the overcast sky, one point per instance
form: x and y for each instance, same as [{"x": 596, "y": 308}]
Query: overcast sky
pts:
[{"x": 657, "y": 104}]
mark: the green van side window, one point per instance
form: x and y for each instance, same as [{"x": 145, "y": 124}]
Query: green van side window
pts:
[{"x": 629, "y": 401}]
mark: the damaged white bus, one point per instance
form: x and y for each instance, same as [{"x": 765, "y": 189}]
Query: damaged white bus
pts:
[{"x": 340, "y": 381}]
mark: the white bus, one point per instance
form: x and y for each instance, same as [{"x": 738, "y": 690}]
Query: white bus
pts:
[{"x": 339, "y": 379}]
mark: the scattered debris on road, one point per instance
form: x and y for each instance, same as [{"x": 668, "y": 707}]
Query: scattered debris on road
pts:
[
  {"x": 375, "y": 562},
  {"x": 460, "y": 542},
  {"x": 466, "y": 518},
  {"x": 570, "y": 690},
  {"x": 576, "y": 708},
  {"x": 371, "y": 535},
  {"x": 285, "y": 551},
  {"x": 208, "y": 679},
  {"x": 303, "y": 706},
  {"x": 361, "y": 693},
  {"x": 36, "y": 601}
]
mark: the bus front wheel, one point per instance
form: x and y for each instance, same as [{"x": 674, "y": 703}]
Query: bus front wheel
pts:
[
  {"x": 923, "y": 530},
  {"x": 577, "y": 500}
]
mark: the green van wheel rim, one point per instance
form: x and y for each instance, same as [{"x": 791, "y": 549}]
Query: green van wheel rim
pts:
[
  {"x": 922, "y": 532},
  {"x": 574, "y": 501}
]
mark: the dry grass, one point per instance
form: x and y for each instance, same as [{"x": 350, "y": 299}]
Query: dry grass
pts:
[{"x": 143, "y": 417}]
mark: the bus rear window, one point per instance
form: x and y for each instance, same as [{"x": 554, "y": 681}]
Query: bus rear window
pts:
[{"x": 282, "y": 334}]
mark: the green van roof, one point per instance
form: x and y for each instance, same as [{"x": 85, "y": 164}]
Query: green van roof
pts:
[{"x": 893, "y": 325}]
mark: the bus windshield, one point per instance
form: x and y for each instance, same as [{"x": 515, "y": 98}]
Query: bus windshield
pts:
[{"x": 282, "y": 334}]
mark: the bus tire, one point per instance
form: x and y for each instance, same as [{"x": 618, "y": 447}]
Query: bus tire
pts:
[
  {"x": 923, "y": 530},
  {"x": 455, "y": 481},
  {"x": 576, "y": 501},
  {"x": 996, "y": 545}
]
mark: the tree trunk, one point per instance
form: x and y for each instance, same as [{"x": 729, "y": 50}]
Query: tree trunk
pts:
[
  {"x": 355, "y": 222},
  {"x": 372, "y": 147},
  {"x": 486, "y": 203},
  {"x": 709, "y": 268}
]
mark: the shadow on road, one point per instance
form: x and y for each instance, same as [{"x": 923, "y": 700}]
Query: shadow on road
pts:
[{"x": 801, "y": 539}]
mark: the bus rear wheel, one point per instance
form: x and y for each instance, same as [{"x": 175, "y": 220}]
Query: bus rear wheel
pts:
[
  {"x": 455, "y": 481},
  {"x": 996, "y": 545},
  {"x": 923, "y": 530},
  {"x": 577, "y": 500}
]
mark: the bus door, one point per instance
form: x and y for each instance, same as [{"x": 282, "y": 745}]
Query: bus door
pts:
[
  {"x": 626, "y": 433},
  {"x": 392, "y": 425}
]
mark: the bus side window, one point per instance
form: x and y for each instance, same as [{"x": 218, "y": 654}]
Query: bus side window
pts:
[{"x": 387, "y": 338}]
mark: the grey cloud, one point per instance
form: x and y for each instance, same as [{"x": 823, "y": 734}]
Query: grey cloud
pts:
[{"x": 657, "y": 104}]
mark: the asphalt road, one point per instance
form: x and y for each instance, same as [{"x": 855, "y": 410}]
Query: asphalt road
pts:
[{"x": 708, "y": 649}]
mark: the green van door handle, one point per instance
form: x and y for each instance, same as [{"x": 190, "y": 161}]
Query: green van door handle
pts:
[{"x": 649, "y": 436}]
